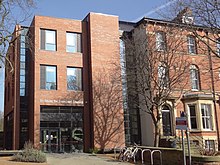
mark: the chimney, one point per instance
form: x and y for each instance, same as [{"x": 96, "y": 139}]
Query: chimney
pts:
[{"x": 184, "y": 16}]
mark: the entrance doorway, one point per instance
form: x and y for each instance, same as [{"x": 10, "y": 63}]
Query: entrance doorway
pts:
[
  {"x": 166, "y": 120},
  {"x": 61, "y": 129},
  {"x": 50, "y": 140}
]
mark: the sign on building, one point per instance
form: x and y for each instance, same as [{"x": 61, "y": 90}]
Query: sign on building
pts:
[{"x": 181, "y": 123}]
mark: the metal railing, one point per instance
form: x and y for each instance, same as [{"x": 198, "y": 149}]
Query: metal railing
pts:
[
  {"x": 130, "y": 153},
  {"x": 198, "y": 145}
]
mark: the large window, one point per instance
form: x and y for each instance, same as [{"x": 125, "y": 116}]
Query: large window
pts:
[
  {"x": 163, "y": 76},
  {"x": 74, "y": 78},
  {"x": 48, "y": 77},
  {"x": 194, "y": 75},
  {"x": 48, "y": 39},
  {"x": 23, "y": 56},
  {"x": 192, "y": 113},
  {"x": 73, "y": 42},
  {"x": 206, "y": 116},
  {"x": 160, "y": 41},
  {"x": 191, "y": 44}
]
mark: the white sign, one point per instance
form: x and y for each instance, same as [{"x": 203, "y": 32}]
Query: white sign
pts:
[
  {"x": 181, "y": 123},
  {"x": 61, "y": 101}
]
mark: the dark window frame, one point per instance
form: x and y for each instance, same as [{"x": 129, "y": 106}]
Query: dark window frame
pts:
[
  {"x": 78, "y": 44},
  {"x": 193, "y": 117},
  {"x": 81, "y": 77},
  {"x": 44, "y": 85},
  {"x": 43, "y": 44}
]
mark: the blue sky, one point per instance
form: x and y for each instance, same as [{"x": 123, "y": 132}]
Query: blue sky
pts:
[{"x": 127, "y": 10}]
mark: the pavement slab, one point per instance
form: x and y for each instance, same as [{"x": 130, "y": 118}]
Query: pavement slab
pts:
[{"x": 82, "y": 159}]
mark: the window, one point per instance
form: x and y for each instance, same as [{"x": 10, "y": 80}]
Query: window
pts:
[
  {"x": 48, "y": 39},
  {"x": 163, "y": 76},
  {"x": 210, "y": 144},
  {"x": 23, "y": 52},
  {"x": 160, "y": 41},
  {"x": 48, "y": 77},
  {"x": 218, "y": 46},
  {"x": 74, "y": 79},
  {"x": 206, "y": 116},
  {"x": 191, "y": 44},
  {"x": 166, "y": 120},
  {"x": 194, "y": 75},
  {"x": 73, "y": 42},
  {"x": 192, "y": 113}
]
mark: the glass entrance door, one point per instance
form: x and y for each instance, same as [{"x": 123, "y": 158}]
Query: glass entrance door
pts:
[
  {"x": 50, "y": 140},
  {"x": 54, "y": 140}
]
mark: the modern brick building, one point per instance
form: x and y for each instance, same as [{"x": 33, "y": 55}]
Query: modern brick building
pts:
[
  {"x": 66, "y": 92},
  {"x": 53, "y": 95}
]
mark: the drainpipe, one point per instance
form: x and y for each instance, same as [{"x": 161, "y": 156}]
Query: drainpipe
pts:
[{"x": 213, "y": 86}]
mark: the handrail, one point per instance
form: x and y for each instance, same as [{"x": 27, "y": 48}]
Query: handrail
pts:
[{"x": 200, "y": 145}]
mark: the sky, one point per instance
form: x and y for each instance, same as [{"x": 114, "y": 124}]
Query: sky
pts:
[{"x": 127, "y": 10}]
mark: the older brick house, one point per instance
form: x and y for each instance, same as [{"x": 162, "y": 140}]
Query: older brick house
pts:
[{"x": 171, "y": 46}]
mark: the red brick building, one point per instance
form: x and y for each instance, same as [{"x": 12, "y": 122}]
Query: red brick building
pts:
[
  {"x": 179, "y": 65},
  {"x": 53, "y": 97},
  {"x": 65, "y": 93}
]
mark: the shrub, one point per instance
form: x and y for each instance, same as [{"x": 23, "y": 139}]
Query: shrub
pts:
[
  {"x": 94, "y": 150},
  {"x": 30, "y": 154}
]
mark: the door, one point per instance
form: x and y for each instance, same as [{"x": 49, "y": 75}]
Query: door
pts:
[
  {"x": 54, "y": 140},
  {"x": 50, "y": 140},
  {"x": 166, "y": 120}
]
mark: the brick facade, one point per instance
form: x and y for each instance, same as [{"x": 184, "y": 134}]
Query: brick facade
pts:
[
  {"x": 100, "y": 50},
  {"x": 141, "y": 39},
  {"x": 97, "y": 110}
]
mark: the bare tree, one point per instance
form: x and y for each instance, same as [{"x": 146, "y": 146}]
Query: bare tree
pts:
[
  {"x": 202, "y": 19},
  {"x": 12, "y": 12},
  {"x": 198, "y": 15},
  {"x": 108, "y": 114},
  {"x": 158, "y": 68}
]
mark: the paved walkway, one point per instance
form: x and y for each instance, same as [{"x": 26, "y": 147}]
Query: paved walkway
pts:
[{"x": 81, "y": 159}]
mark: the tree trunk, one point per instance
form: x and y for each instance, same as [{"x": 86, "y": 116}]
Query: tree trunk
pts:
[{"x": 157, "y": 134}]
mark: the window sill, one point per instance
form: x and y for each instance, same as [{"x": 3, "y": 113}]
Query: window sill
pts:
[
  {"x": 158, "y": 50},
  {"x": 207, "y": 130},
  {"x": 48, "y": 50},
  {"x": 69, "y": 90},
  {"x": 195, "y": 90},
  {"x": 192, "y": 53},
  {"x": 195, "y": 130},
  {"x": 201, "y": 130},
  {"x": 74, "y": 52},
  {"x": 167, "y": 137}
]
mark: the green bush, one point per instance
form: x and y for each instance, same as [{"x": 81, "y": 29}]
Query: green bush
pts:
[
  {"x": 94, "y": 150},
  {"x": 30, "y": 154}
]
